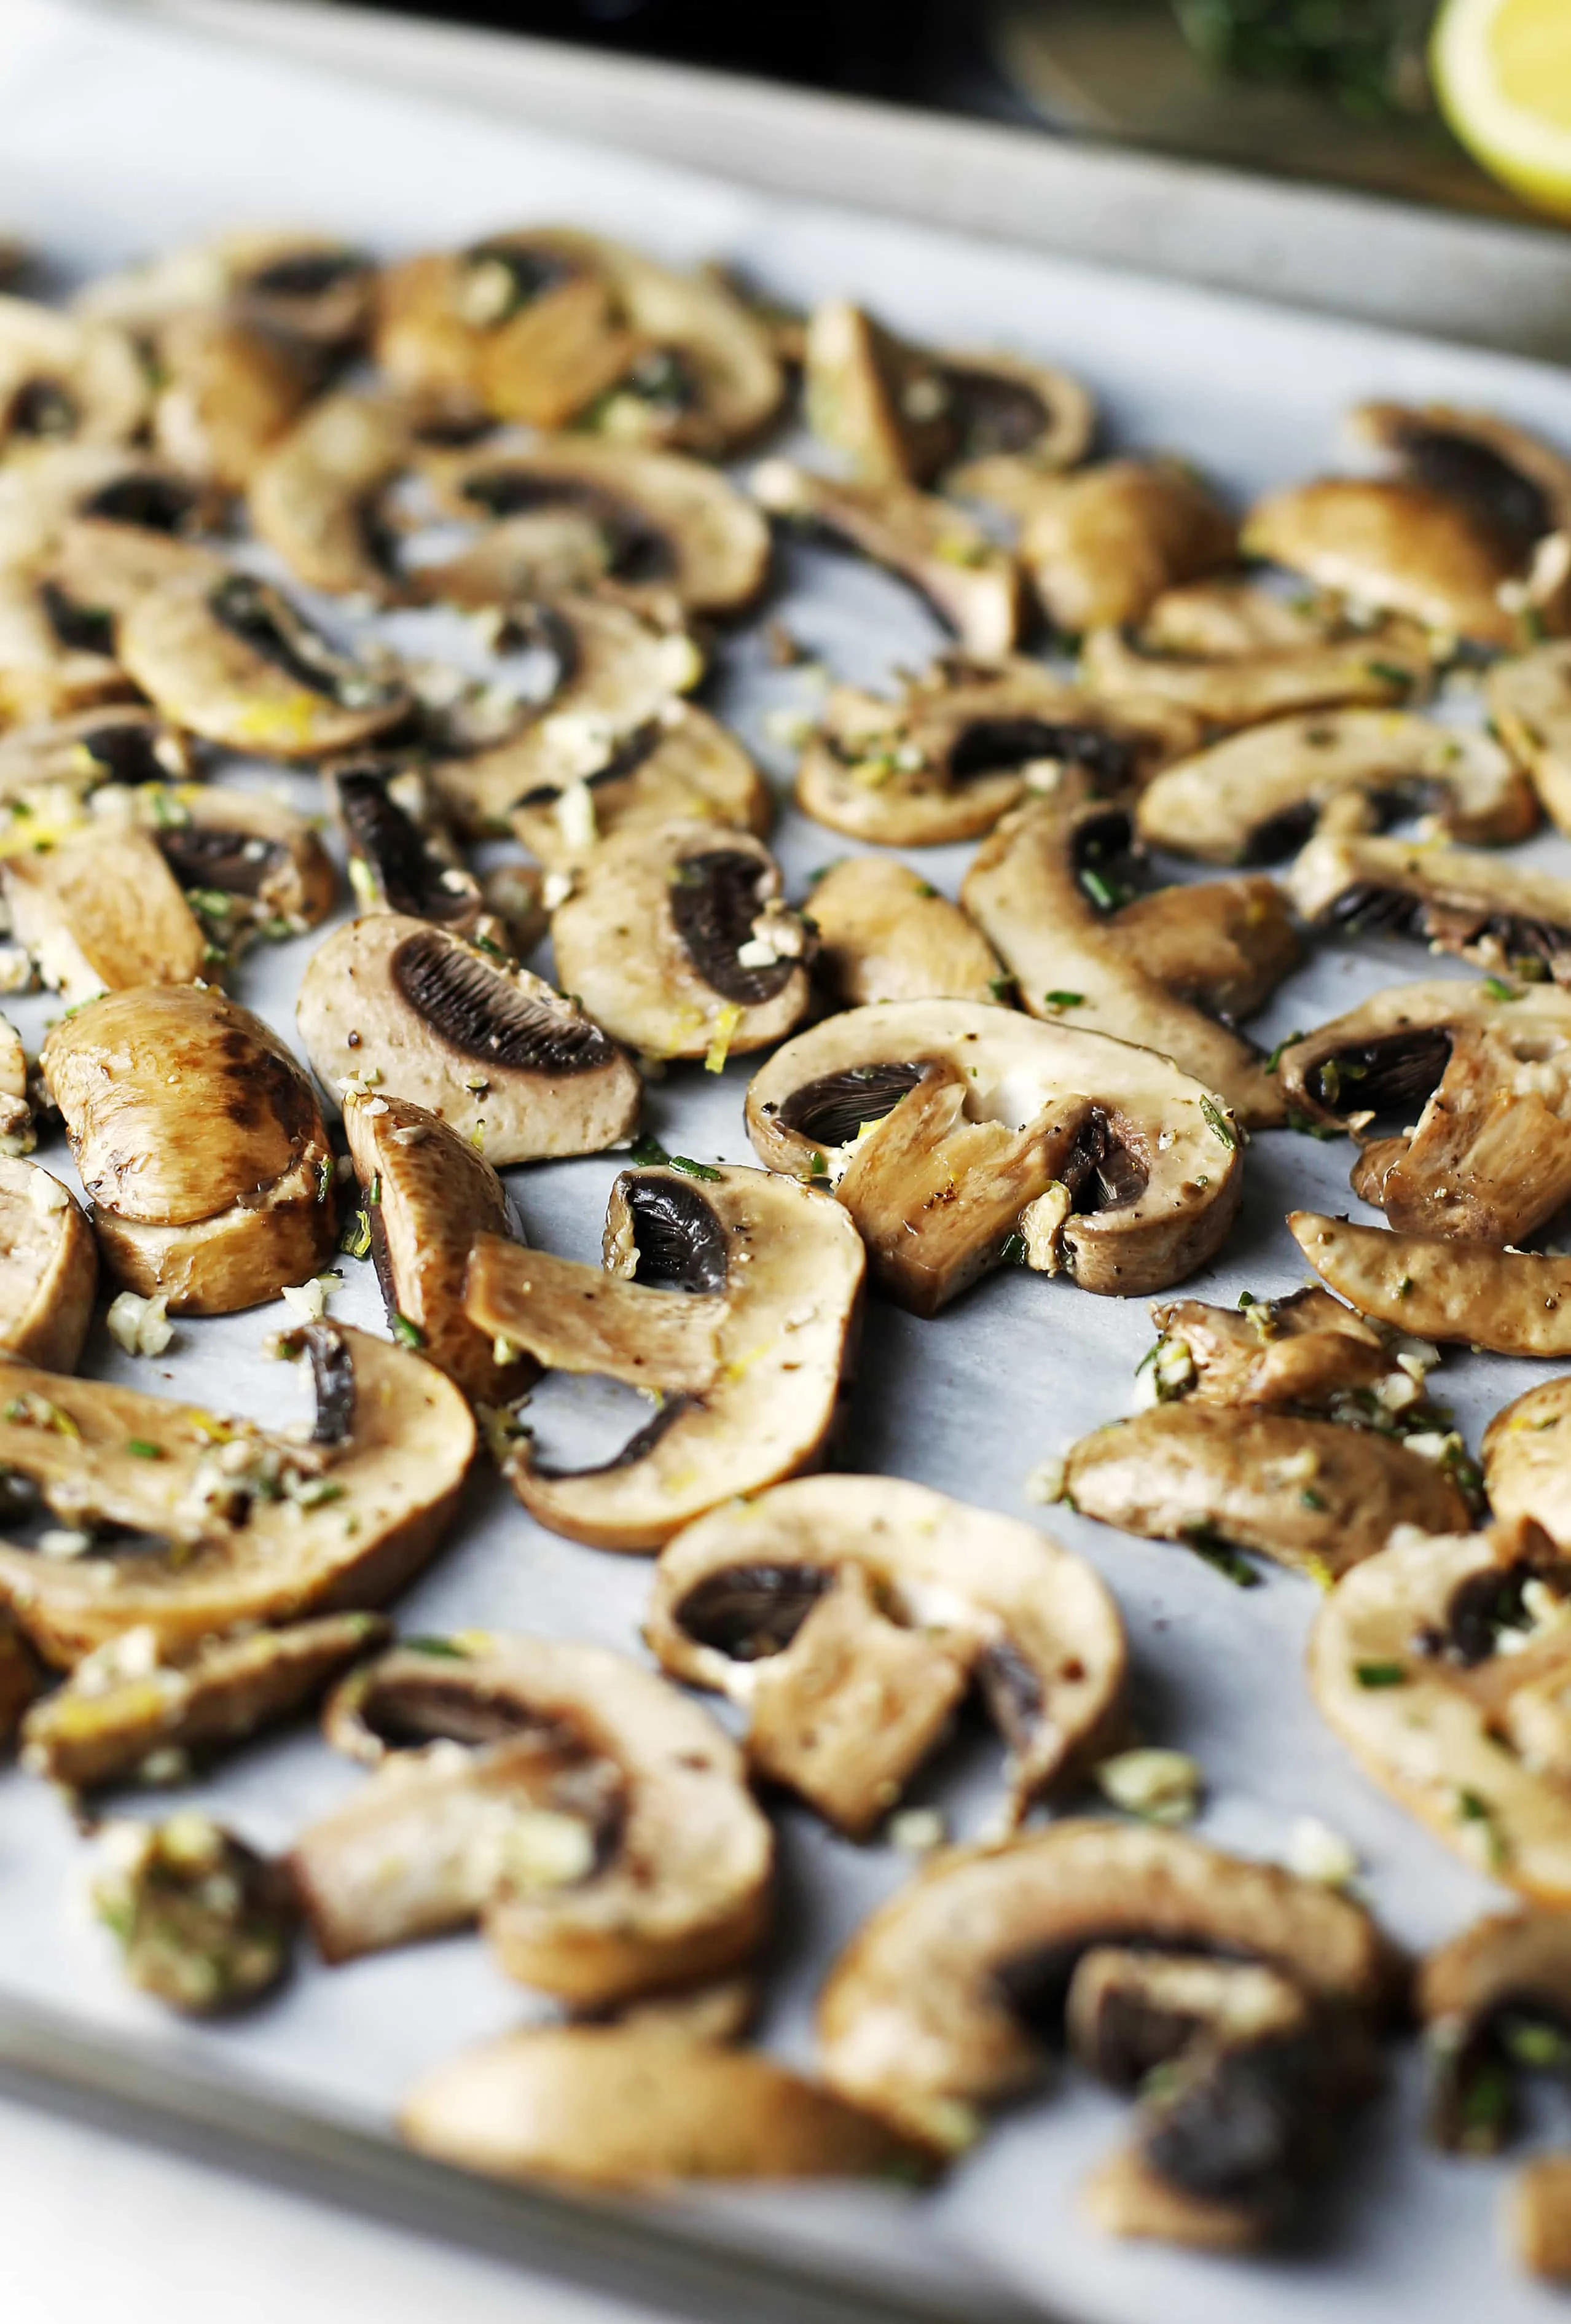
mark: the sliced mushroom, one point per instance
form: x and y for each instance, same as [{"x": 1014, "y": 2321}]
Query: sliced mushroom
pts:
[
  {"x": 231, "y": 392},
  {"x": 628, "y": 2105},
  {"x": 567, "y": 515},
  {"x": 1494, "y": 2002},
  {"x": 251, "y": 865},
  {"x": 1540, "y": 2207},
  {"x": 204, "y": 1922},
  {"x": 106, "y": 522},
  {"x": 239, "y": 663},
  {"x": 1259, "y": 795},
  {"x": 1305, "y": 1352},
  {"x": 1112, "y": 1164},
  {"x": 1045, "y": 890},
  {"x": 220, "y": 1525},
  {"x": 521, "y": 1073},
  {"x": 314, "y": 498},
  {"x": 199, "y": 1142},
  {"x": 48, "y": 1268},
  {"x": 126, "y": 1713},
  {"x": 963, "y": 744},
  {"x": 766, "y": 1274},
  {"x": 1510, "y": 917},
  {"x": 971, "y": 584},
  {"x": 56, "y": 657},
  {"x": 64, "y": 378},
  {"x": 1512, "y": 1301},
  {"x": 682, "y": 766},
  {"x": 662, "y": 1877},
  {"x": 1101, "y": 546},
  {"x": 850, "y": 1615},
  {"x": 1478, "y": 1076},
  {"x": 103, "y": 912},
  {"x": 1236, "y": 656},
  {"x": 22, "y": 1678},
  {"x": 884, "y": 934},
  {"x": 1443, "y": 1666},
  {"x": 426, "y": 1195},
  {"x": 676, "y": 940},
  {"x": 401, "y": 859},
  {"x": 1308, "y": 1493},
  {"x": 1530, "y": 706},
  {"x": 1524, "y": 1458},
  {"x": 123, "y": 744},
  {"x": 303, "y": 285}
]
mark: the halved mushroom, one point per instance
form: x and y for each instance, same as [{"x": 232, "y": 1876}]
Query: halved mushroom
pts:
[
  {"x": 1046, "y": 891},
  {"x": 303, "y": 285},
  {"x": 682, "y": 766},
  {"x": 901, "y": 414},
  {"x": 1525, "y": 1458},
  {"x": 568, "y": 515},
  {"x": 850, "y": 1616},
  {"x": 56, "y": 657},
  {"x": 398, "y": 1006},
  {"x": 949, "y": 1127},
  {"x": 884, "y": 934},
  {"x": 426, "y": 1195},
  {"x": 250, "y": 865},
  {"x": 1306, "y": 1353},
  {"x": 971, "y": 584},
  {"x": 314, "y": 497},
  {"x": 48, "y": 1268},
  {"x": 60, "y": 377},
  {"x": 950, "y": 1997},
  {"x": 231, "y": 391},
  {"x": 964, "y": 742},
  {"x": 126, "y": 1713},
  {"x": 1459, "y": 1094},
  {"x": 1444, "y": 1666},
  {"x": 1509, "y": 918},
  {"x": 402, "y": 858},
  {"x": 123, "y": 744},
  {"x": 676, "y": 938},
  {"x": 197, "y": 1138},
  {"x": 1102, "y": 545},
  {"x": 204, "y": 1922},
  {"x": 1471, "y": 538},
  {"x": 1310, "y": 1494},
  {"x": 598, "y": 1822},
  {"x": 735, "y": 1295},
  {"x": 629, "y": 2104},
  {"x": 1235, "y": 655},
  {"x": 102, "y": 912},
  {"x": 161, "y": 1516},
  {"x": 1530, "y": 706},
  {"x": 1494, "y": 2002},
  {"x": 104, "y": 520},
  {"x": 1512, "y": 1301},
  {"x": 1259, "y": 795},
  {"x": 237, "y": 662}
]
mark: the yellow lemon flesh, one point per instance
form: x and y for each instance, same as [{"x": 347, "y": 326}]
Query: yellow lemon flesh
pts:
[{"x": 1502, "y": 72}]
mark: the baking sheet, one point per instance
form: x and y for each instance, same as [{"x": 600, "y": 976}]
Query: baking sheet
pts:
[{"x": 119, "y": 139}]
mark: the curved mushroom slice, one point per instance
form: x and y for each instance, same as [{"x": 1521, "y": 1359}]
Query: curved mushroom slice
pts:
[
  {"x": 314, "y": 498},
  {"x": 1306, "y": 1352},
  {"x": 1524, "y": 1458},
  {"x": 1478, "y": 1076},
  {"x": 126, "y": 1712},
  {"x": 676, "y": 940},
  {"x": 1102, "y": 545},
  {"x": 629, "y": 2104},
  {"x": 237, "y": 662},
  {"x": 963, "y": 744},
  {"x": 48, "y": 1268},
  {"x": 56, "y": 657},
  {"x": 223, "y": 1525},
  {"x": 1044, "y": 891},
  {"x": 231, "y": 391},
  {"x": 663, "y": 1877},
  {"x": 971, "y": 584},
  {"x": 63, "y": 378},
  {"x": 738, "y": 1295},
  {"x": 682, "y": 766},
  {"x": 1259, "y": 795},
  {"x": 306, "y": 285},
  {"x": 884, "y": 934},
  {"x": 400, "y": 858},
  {"x": 103, "y": 912},
  {"x": 105, "y": 519},
  {"x": 22, "y": 1678},
  {"x": 123, "y": 743},
  {"x": 1112, "y": 1164},
  {"x": 200, "y": 1143},
  {"x": 1512, "y": 1302},
  {"x": 1494, "y": 2002},
  {"x": 1510, "y": 917},
  {"x": 851, "y": 1614},
  {"x": 569, "y": 515},
  {"x": 1308, "y": 1493},
  {"x": 204, "y": 1922},
  {"x": 1540, "y": 2206},
  {"x": 395, "y": 1005},
  {"x": 427, "y": 1194},
  {"x": 250, "y": 865},
  {"x": 1529, "y": 699},
  {"x": 1235, "y": 656},
  {"x": 18, "y": 1133},
  {"x": 1443, "y": 1666}
]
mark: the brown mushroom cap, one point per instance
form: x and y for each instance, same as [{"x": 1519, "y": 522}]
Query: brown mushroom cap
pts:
[
  {"x": 1529, "y": 699},
  {"x": 1514, "y": 1302},
  {"x": 124, "y": 742},
  {"x": 63, "y": 376},
  {"x": 251, "y": 863},
  {"x": 1510, "y": 917},
  {"x": 48, "y": 1268},
  {"x": 1494, "y": 2001},
  {"x": 231, "y": 390},
  {"x": 1524, "y": 1458},
  {"x": 1539, "y": 2208},
  {"x": 103, "y": 912},
  {"x": 884, "y": 934},
  {"x": 56, "y": 657},
  {"x": 313, "y": 498},
  {"x": 682, "y": 766},
  {"x": 1100, "y": 545},
  {"x": 1303, "y": 1351},
  {"x": 310, "y": 286}
]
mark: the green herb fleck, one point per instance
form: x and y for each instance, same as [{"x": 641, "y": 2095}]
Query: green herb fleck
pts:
[
  {"x": 1216, "y": 1121},
  {"x": 141, "y": 1449},
  {"x": 355, "y": 1241},
  {"x": 691, "y": 1169},
  {"x": 648, "y": 1153},
  {"x": 1311, "y": 1500},
  {"x": 1374, "y": 1675},
  {"x": 1063, "y": 999},
  {"x": 373, "y": 1192},
  {"x": 486, "y": 944},
  {"x": 1220, "y": 1554},
  {"x": 1107, "y": 894},
  {"x": 409, "y": 1333},
  {"x": 443, "y": 1649},
  {"x": 1392, "y": 673},
  {"x": 1540, "y": 2048},
  {"x": 1499, "y": 989},
  {"x": 324, "y": 1180},
  {"x": 1013, "y": 1253},
  {"x": 1001, "y": 988}
]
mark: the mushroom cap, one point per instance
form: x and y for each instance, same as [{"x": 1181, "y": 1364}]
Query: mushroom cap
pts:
[
  {"x": 103, "y": 912},
  {"x": 60, "y": 375},
  {"x": 1302, "y": 1350},
  {"x": 259, "y": 854},
  {"x": 1540, "y": 2208},
  {"x": 1389, "y": 543},
  {"x": 48, "y": 1268},
  {"x": 1529, "y": 699},
  {"x": 1508, "y": 917},
  {"x": 312, "y": 498},
  {"x": 1031, "y": 1625},
  {"x": 122, "y": 743},
  {"x": 311, "y": 285},
  {"x": 1516, "y": 1303},
  {"x": 884, "y": 934},
  {"x": 231, "y": 391},
  {"x": 1525, "y": 1453},
  {"x": 1101, "y": 545},
  {"x": 1506, "y": 1958},
  {"x": 56, "y": 657}
]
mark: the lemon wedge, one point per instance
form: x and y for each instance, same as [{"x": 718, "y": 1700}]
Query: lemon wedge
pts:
[{"x": 1502, "y": 72}]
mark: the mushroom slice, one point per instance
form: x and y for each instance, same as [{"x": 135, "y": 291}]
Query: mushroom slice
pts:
[
  {"x": 56, "y": 657},
  {"x": 1524, "y": 1458},
  {"x": 1540, "y": 2207},
  {"x": 1529, "y": 698},
  {"x": 199, "y": 1140},
  {"x": 250, "y": 865},
  {"x": 123, "y": 743},
  {"x": 427, "y": 1194},
  {"x": 682, "y": 766},
  {"x": 103, "y": 518},
  {"x": 223, "y": 1525},
  {"x": 204, "y": 1922},
  {"x": 238, "y": 662},
  {"x": 1494, "y": 2002},
  {"x": 1128, "y": 1173},
  {"x": 231, "y": 391},
  {"x": 1235, "y": 656},
  {"x": 18, "y": 1134},
  {"x": 103, "y": 912},
  {"x": 125, "y": 1712},
  {"x": 63, "y": 378},
  {"x": 1259, "y": 795},
  {"x": 676, "y": 940},
  {"x": 778, "y": 1274},
  {"x": 598, "y": 1822},
  {"x": 851, "y": 1614},
  {"x": 951, "y": 1995},
  {"x": 1306, "y": 1352},
  {"x": 971, "y": 584},
  {"x": 1479, "y": 1077},
  {"x": 400, "y": 858},
  {"x": 965, "y": 743},
  {"x": 48, "y": 1268},
  {"x": 1046, "y": 891},
  {"x": 1443, "y": 1666},
  {"x": 1510, "y": 917},
  {"x": 1101, "y": 546},
  {"x": 629, "y": 2104},
  {"x": 314, "y": 498},
  {"x": 1512, "y": 1302},
  {"x": 303, "y": 285},
  {"x": 884, "y": 934},
  {"x": 574, "y": 514},
  {"x": 400, "y": 1007},
  {"x": 22, "y": 1678},
  {"x": 1311, "y": 1495}
]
